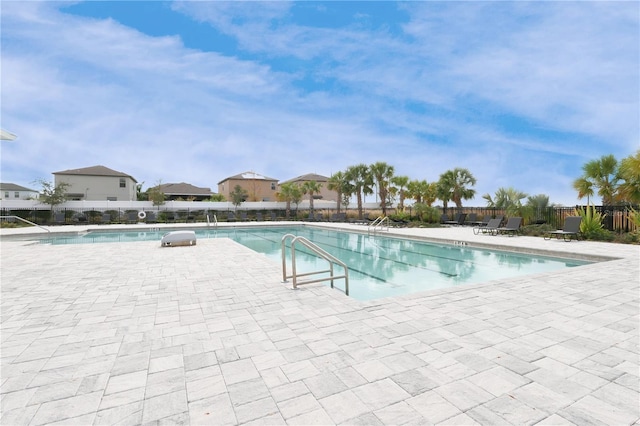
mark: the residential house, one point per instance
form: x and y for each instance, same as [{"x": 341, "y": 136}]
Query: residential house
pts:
[
  {"x": 325, "y": 193},
  {"x": 258, "y": 187},
  {"x": 184, "y": 191},
  {"x": 97, "y": 183},
  {"x": 11, "y": 191}
]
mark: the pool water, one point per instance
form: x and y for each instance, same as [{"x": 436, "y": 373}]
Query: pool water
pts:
[{"x": 379, "y": 266}]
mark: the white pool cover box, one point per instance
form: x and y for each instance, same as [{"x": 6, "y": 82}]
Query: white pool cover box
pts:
[{"x": 178, "y": 238}]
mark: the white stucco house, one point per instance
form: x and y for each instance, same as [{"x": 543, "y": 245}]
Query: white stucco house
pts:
[
  {"x": 11, "y": 191},
  {"x": 97, "y": 183}
]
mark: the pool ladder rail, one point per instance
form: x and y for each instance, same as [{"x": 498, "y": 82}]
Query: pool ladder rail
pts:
[
  {"x": 380, "y": 224},
  {"x": 318, "y": 251}
]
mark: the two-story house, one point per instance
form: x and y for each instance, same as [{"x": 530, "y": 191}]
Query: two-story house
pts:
[
  {"x": 257, "y": 186},
  {"x": 97, "y": 183},
  {"x": 11, "y": 191}
]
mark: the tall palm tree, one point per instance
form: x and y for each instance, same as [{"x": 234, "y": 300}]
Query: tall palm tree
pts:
[
  {"x": 338, "y": 182},
  {"x": 359, "y": 177},
  {"x": 603, "y": 174},
  {"x": 311, "y": 187},
  {"x": 289, "y": 193},
  {"x": 584, "y": 187},
  {"x": 455, "y": 186},
  {"x": 382, "y": 174},
  {"x": 400, "y": 183},
  {"x": 422, "y": 191},
  {"x": 629, "y": 189}
]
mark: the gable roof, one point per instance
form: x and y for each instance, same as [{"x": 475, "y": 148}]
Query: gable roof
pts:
[
  {"x": 95, "y": 171},
  {"x": 248, "y": 176},
  {"x": 308, "y": 177},
  {"x": 14, "y": 187},
  {"x": 183, "y": 188}
]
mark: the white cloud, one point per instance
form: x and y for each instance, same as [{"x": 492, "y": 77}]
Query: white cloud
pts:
[{"x": 80, "y": 92}]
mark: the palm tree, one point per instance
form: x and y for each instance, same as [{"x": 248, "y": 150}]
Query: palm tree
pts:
[
  {"x": 311, "y": 187},
  {"x": 338, "y": 182},
  {"x": 400, "y": 183},
  {"x": 422, "y": 191},
  {"x": 584, "y": 187},
  {"x": 505, "y": 198},
  {"x": 454, "y": 185},
  {"x": 359, "y": 177},
  {"x": 290, "y": 193},
  {"x": 603, "y": 174},
  {"x": 629, "y": 189},
  {"x": 382, "y": 174}
]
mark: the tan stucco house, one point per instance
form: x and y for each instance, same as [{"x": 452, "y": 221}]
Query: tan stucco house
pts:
[
  {"x": 325, "y": 194},
  {"x": 258, "y": 187},
  {"x": 97, "y": 183}
]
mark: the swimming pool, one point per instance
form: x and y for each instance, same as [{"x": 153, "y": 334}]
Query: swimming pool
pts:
[{"x": 379, "y": 266}]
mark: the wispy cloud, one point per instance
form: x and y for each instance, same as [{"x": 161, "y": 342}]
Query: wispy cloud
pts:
[{"x": 519, "y": 93}]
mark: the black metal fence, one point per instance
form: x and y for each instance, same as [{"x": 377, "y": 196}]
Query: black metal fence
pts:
[{"x": 616, "y": 218}]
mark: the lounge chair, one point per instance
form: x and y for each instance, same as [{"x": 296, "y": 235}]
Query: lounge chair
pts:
[
  {"x": 457, "y": 220},
  {"x": 512, "y": 227},
  {"x": 490, "y": 228},
  {"x": 570, "y": 230},
  {"x": 259, "y": 217},
  {"x": 472, "y": 219}
]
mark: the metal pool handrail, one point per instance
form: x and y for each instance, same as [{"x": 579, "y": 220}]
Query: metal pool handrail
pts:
[
  {"x": 320, "y": 252},
  {"x": 25, "y": 221},
  {"x": 379, "y": 223}
]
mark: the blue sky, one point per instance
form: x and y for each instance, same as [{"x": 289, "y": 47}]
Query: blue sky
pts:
[{"x": 521, "y": 94}]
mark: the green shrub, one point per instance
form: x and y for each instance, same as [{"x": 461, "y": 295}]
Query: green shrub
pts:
[
  {"x": 591, "y": 225},
  {"x": 427, "y": 213}
]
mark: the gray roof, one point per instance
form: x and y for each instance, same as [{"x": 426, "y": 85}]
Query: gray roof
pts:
[
  {"x": 308, "y": 177},
  {"x": 14, "y": 187},
  {"x": 184, "y": 189},
  {"x": 95, "y": 171},
  {"x": 248, "y": 176}
]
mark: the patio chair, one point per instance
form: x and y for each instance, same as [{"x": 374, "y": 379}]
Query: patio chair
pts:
[
  {"x": 458, "y": 219},
  {"x": 489, "y": 228},
  {"x": 472, "y": 219},
  {"x": 570, "y": 230},
  {"x": 511, "y": 228},
  {"x": 259, "y": 217}
]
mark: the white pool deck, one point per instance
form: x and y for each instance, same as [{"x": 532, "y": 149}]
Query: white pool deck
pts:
[{"x": 132, "y": 333}]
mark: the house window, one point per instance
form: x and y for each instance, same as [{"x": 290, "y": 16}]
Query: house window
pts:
[
  {"x": 6, "y": 194},
  {"x": 123, "y": 183},
  {"x": 273, "y": 186},
  {"x": 16, "y": 194}
]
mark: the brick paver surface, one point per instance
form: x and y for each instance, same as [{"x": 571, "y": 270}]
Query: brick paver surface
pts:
[{"x": 131, "y": 333}]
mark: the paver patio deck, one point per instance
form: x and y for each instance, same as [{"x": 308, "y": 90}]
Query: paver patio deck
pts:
[{"x": 131, "y": 333}]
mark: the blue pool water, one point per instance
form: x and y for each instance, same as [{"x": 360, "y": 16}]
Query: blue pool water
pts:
[{"x": 379, "y": 266}]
